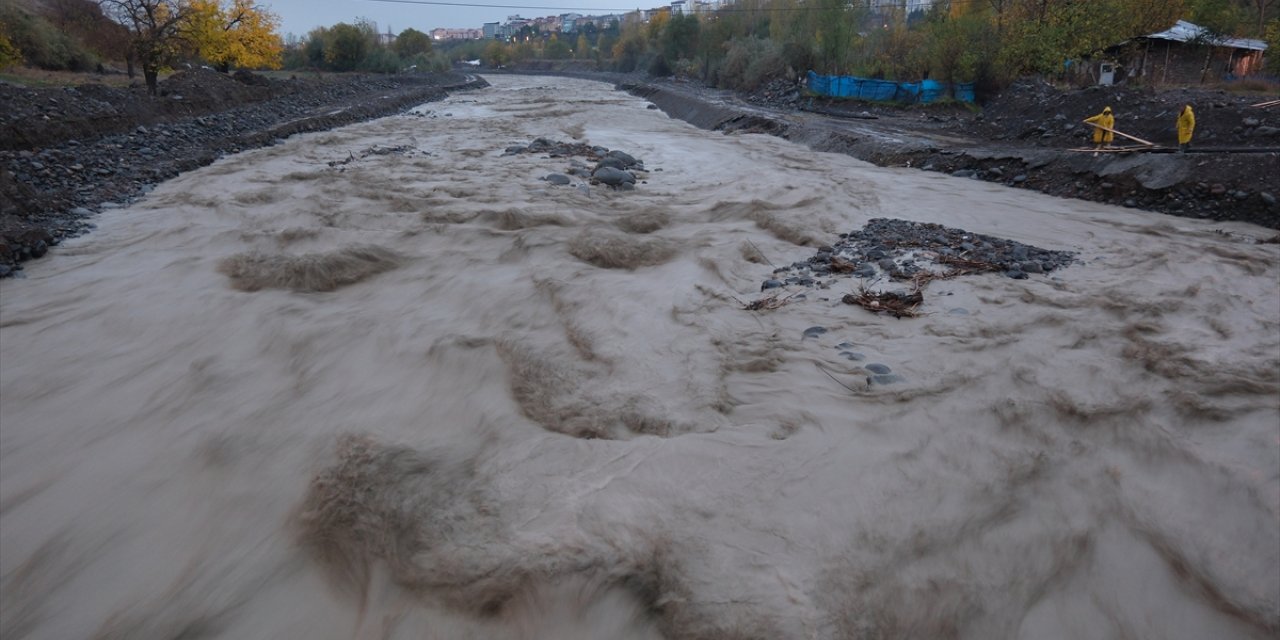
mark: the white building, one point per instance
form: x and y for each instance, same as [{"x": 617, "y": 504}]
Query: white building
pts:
[{"x": 905, "y": 5}]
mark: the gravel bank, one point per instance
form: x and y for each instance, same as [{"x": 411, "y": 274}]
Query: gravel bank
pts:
[{"x": 70, "y": 152}]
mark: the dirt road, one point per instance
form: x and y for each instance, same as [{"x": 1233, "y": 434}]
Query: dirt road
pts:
[{"x": 386, "y": 382}]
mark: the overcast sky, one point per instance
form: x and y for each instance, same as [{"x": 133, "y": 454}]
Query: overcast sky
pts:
[{"x": 300, "y": 16}]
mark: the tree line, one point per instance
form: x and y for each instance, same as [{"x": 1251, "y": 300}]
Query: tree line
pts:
[
  {"x": 154, "y": 35},
  {"x": 358, "y": 46},
  {"x": 151, "y": 35},
  {"x": 986, "y": 41},
  {"x": 741, "y": 46}
]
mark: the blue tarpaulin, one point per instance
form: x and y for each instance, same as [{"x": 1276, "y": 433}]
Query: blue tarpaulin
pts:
[{"x": 922, "y": 92}]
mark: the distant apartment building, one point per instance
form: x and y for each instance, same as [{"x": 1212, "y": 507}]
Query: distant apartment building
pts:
[
  {"x": 908, "y": 6},
  {"x": 600, "y": 22},
  {"x": 457, "y": 34},
  {"x": 569, "y": 22}
]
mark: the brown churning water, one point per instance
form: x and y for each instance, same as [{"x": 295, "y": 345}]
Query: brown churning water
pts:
[{"x": 432, "y": 396}]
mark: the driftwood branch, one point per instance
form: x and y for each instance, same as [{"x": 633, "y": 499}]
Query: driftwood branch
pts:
[
  {"x": 898, "y": 305},
  {"x": 837, "y": 380},
  {"x": 767, "y": 303}
]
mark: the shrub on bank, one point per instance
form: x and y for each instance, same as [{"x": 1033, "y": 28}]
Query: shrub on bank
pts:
[
  {"x": 39, "y": 42},
  {"x": 9, "y": 54},
  {"x": 750, "y": 62}
]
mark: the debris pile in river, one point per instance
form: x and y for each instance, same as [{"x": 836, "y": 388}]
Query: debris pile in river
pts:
[
  {"x": 914, "y": 253},
  {"x": 901, "y": 250},
  {"x": 399, "y": 150},
  {"x": 898, "y": 304}
]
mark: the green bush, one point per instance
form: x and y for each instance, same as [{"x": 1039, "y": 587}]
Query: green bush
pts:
[
  {"x": 750, "y": 62},
  {"x": 41, "y": 44},
  {"x": 9, "y": 54},
  {"x": 659, "y": 68},
  {"x": 380, "y": 60},
  {"x": 440, "y": 62},
  {"x": 798, "y": 57},
  {"x": 557, "y": 49},
  {"x": 687, "y": 68},
  {"x": 436, "y": 62},
  {"x": 345, "y": 47}
]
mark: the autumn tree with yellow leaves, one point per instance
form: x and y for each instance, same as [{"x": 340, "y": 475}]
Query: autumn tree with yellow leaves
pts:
[
  {"x": 234, "y": 34},
  {"x": 240, "y": 33}
]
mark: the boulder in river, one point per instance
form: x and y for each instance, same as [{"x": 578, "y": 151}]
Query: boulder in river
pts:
[
  {"x": 607, "y": 161},
  {"x": 613, "y": 177}
]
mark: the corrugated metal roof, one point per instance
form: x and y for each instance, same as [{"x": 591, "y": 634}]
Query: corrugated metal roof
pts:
[{"x": 1184, "y": 31}]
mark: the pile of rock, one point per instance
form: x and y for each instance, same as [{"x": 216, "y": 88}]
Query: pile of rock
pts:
[
  {"x": 781, "y": 93},
  {"x": 902, "y": 250},
  {"x": 617, "y": 169},
  {"x": 613, "y": 168}
]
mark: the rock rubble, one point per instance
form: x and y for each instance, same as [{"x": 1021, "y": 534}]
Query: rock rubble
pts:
[{"x": 900, "y": 250}]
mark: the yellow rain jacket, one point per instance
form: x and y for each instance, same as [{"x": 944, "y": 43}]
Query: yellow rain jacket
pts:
[
  {"x": 1107, "y": 120},
  {"x": 1186, "y": 125}
]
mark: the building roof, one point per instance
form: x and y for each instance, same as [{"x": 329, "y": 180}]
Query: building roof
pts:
[{"x": 1184, "y": 31}]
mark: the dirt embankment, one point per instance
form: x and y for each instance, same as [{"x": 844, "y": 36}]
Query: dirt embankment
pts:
[
  {"x": 1024, "y": 138},
  {"x": 68, "y": 152}
]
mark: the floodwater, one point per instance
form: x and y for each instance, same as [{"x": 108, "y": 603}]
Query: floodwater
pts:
[{"x": 424, "y": 394}]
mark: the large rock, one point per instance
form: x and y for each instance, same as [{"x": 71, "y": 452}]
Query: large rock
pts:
[
  {"x": 626, "y": 158},
  {"x": 616, "y": 163},
  {"x": 613, "y": 177}
]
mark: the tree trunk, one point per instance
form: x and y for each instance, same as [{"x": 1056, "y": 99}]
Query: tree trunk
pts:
[{"x": 152, "y": 75}]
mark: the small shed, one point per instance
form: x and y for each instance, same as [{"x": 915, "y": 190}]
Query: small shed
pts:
[{"x": 1187, "y": 53}]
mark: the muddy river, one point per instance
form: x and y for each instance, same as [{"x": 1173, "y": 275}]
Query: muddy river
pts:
[{"x": 314, "y": 392}]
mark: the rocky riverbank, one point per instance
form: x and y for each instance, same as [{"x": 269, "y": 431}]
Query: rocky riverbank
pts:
[
  {"x": 70, "y": 152},
  {"x": 1024, "y": 139}
]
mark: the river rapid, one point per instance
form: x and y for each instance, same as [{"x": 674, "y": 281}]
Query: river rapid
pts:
[{"x": 308, "y": 392}]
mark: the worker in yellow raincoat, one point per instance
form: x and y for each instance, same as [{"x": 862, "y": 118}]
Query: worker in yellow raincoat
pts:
[
  {"x": 1186, "y": 127},
  {"x": 1100, "y": 136}
]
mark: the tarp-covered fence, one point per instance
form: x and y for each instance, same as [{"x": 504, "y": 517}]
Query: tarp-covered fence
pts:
[{"x": 922, "y": 92}]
